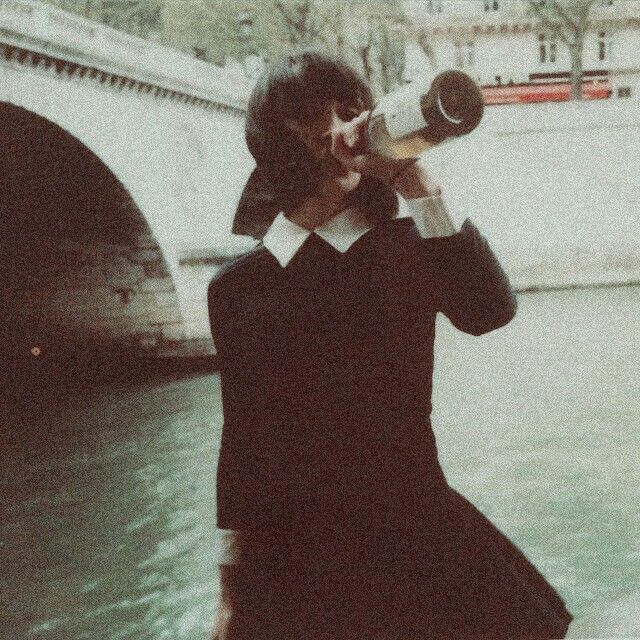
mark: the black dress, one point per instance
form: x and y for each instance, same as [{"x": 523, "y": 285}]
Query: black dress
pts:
[{"x": 328, "y": 462}]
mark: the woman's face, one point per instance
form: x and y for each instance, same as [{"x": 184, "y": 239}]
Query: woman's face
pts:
[{"x": 330, "y": 137}]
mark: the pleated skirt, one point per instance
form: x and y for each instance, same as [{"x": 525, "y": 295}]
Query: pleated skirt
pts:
[{"x": 459, "y": 577}]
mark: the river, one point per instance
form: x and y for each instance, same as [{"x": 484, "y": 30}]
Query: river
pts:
[{"x": 108, "y": 495}]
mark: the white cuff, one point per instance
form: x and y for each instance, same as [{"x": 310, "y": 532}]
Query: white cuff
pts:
[
  {"x": 432, "y": 216},
  {"x": 226, "y": 546}
]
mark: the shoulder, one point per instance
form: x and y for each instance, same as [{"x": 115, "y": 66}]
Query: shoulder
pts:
[
  {"x": 405, "y": 235},
  {"x": 393, "y": 238},
  {"x": 395, "y": 229},
  {"x": 238, "y": 273}
]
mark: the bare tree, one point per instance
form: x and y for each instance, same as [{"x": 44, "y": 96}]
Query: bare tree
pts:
[
  {"x": 369, "y": 35},
  {"x": 425, "y": 45},
  {"x": 183, "y": 25},
  {"x": 139, "y": 17},
  {"x": 374, "y": 38},
  {"x": 568, "y": 20},
  {"x": 221, "y": 30},
  {"x": 302, "y": 22}
]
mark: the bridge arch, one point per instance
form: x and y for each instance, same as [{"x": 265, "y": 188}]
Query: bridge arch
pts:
[{"x": 85, "y": 286}]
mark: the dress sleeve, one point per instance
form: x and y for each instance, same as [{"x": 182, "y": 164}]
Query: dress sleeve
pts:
[
  {"x": 469, "y": 285},
  {"x": 248, "y": 495}
]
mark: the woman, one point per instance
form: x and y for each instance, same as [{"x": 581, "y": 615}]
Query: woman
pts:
[{"x": 339, "y": 519}]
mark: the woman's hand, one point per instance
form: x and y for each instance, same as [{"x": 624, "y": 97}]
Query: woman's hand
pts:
[
  {"x": 221, "y": 624},
  {"x": 408, "y": 177},
  {"x": 231, "y": 540}
]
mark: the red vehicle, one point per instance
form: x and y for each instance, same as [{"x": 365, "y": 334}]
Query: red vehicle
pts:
[{"x": 544, "y": 91}]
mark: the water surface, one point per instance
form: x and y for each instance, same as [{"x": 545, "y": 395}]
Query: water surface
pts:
[{"x": 108, "y": 496}]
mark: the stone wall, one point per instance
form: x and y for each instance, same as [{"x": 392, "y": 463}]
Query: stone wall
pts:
[
  {"x": 123, "y": 294},
  {"x": 115, "y": 297}
]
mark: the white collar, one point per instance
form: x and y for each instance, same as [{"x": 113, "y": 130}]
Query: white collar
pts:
[{"x": 284, "y": 237}]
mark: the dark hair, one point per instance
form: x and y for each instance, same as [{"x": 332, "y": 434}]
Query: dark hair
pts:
[{"x": 297, "y": 87}]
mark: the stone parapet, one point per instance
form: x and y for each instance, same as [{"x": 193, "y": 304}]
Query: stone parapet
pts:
[{"x": 69, "y": 38}]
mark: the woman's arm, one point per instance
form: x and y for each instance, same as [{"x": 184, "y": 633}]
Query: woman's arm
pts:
[
  {"x": 471, "y": 288},
  {"x": 221, "y": 622},
  {"x": 469, "y": 285},
  {"x": 246, "y": 493}
]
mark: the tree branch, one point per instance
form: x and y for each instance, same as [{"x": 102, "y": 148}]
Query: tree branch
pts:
[
  {"x": 292, "y": 25},
  {"x": 568, "y": 20},
  {"x": 584, "y": 14},
  {"x": 553, "y": 26},
  {"x": 426, "y": 46},
  {"x": 327, "y": 19},
  {"x": 364, "y": 56}
]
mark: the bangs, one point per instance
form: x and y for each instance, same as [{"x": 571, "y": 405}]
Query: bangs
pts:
[{"x": 299, "y": 86}]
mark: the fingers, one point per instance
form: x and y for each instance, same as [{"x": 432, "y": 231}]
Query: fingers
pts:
[
  {"x": 358, "y": 127},
  {"x": 345, "y": 148},
  {"x": 341, "y": 150},
  {"x": 221, "y": 624},
  {"x": 381, "y": 167},
  {"x": 345, "y": 136},
  {"x": 351, "y": 133}
]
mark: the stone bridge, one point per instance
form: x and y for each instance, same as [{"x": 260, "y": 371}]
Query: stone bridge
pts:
[{"x": 118, "y": 154}]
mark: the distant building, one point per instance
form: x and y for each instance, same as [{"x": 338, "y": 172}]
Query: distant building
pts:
[{"x": 508, "y": 50}]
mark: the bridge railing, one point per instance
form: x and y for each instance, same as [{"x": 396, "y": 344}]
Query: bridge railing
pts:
[{"x": 59, "y": 33}]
